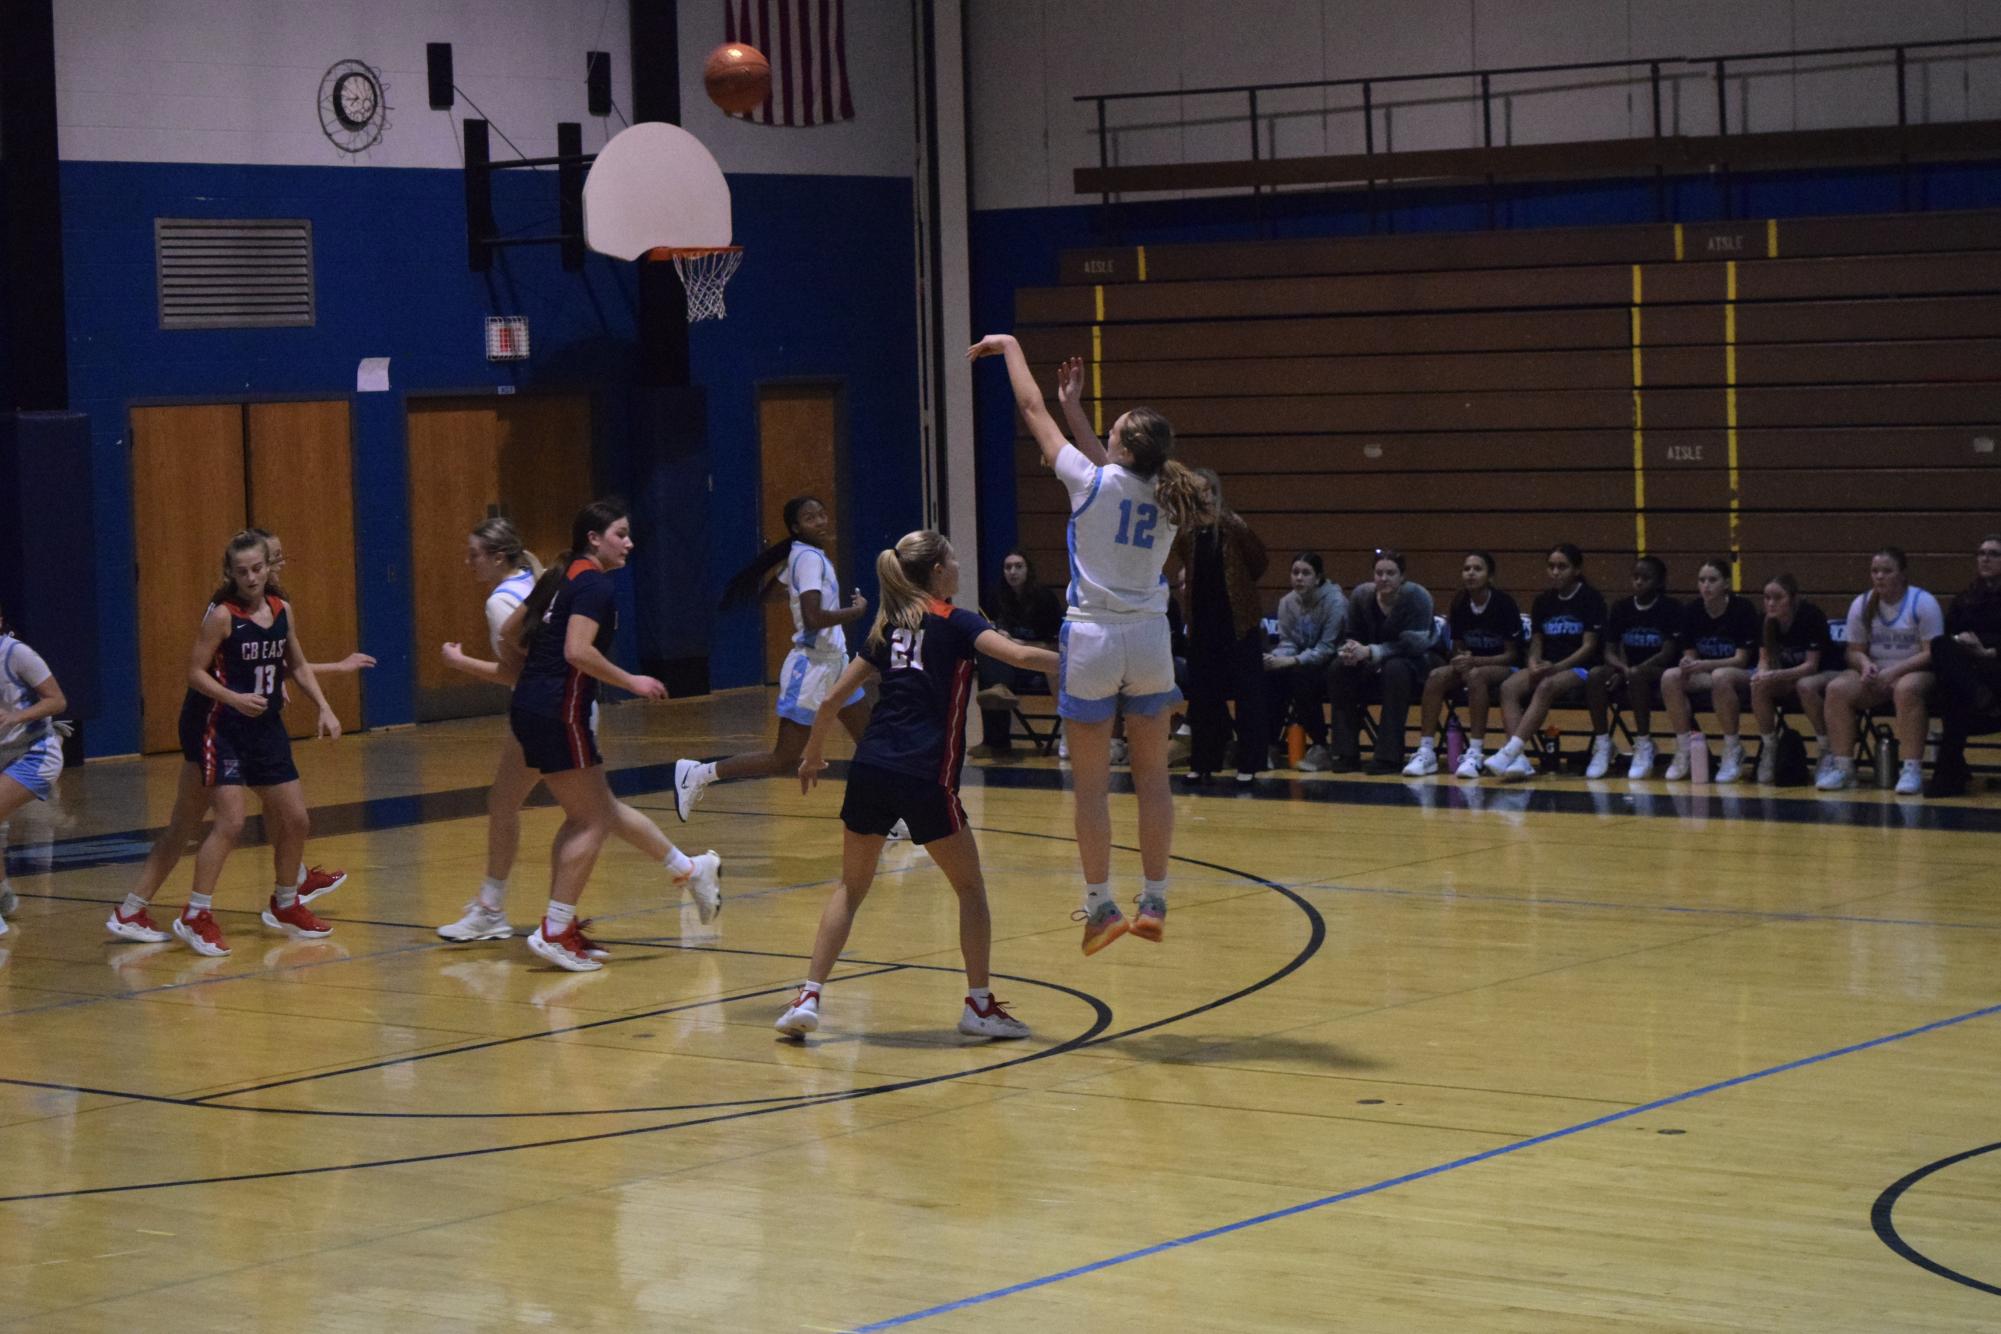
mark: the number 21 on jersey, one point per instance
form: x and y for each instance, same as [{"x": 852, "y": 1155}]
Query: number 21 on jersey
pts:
[
  {"x": 1141, "y": 533},
  {"x": 906, "y": 649}
]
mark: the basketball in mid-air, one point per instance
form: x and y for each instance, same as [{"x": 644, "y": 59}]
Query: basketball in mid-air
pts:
[{"x": 738, "y": 77}]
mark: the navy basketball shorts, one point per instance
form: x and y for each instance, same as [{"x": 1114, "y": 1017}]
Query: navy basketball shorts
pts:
[
  {"x": 878, "y": 798},
  {"x": 556, "y": 745}
]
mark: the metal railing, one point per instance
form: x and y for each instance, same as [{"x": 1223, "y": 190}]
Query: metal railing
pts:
[{"x": 1718, "y": 66}]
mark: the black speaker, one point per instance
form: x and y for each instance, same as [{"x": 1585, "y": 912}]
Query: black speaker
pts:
[
  {"x": 597, "y": 82},
  {"x": 438, "y": 56}
]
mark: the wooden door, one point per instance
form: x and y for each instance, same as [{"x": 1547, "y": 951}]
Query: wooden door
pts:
[
  {"x": 187, "y": 502},
  {"x": 301, "y": 487},
  {"x": 545, "y": 466},
  {"x": 454, "y": 484},
  {"x": 526, "y": 458},
  {"x": 798, "y": 430}
]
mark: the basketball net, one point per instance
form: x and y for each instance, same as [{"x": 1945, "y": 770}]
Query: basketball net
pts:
[{"x": 704, "y": 273}]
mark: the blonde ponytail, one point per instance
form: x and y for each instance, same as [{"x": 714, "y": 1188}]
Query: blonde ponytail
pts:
[{"x": 903, "y": 573}]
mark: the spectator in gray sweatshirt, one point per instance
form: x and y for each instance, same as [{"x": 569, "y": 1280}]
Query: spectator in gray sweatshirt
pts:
[
  {"x": 1310, "y": 621},
  {"x": 1389, "y": 651}
]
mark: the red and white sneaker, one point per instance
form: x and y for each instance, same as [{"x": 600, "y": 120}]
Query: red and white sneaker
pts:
[
  {"x": 570, "y": 949},
  {"x": 592, "y": 948},
  {"x": 802, "y": 1016},
  {"x": 201, "y": 933},
  {"x": 320, "y": 881},
  {"x": 296, "y": 920},
  {"x": 992, "y": 1021},
  {"x": 139, "y": 926}
]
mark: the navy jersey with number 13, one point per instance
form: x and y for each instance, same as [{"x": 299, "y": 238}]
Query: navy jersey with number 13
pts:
[{"x": 919, "y": 723}]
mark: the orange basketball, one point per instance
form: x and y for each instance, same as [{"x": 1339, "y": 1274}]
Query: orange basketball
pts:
[{"x": 738, "y": 77}]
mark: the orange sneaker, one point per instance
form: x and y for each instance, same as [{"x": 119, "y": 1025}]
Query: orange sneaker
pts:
[
  {"x": 201, "y": 933},
  {"x": 297, "y": 920},
  {"x": 320, "y": 881},
  {"x": 1102, "y": 927},
  {"x": 1150, "y": 917}
]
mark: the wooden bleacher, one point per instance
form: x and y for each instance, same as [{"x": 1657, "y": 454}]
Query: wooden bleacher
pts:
[{"x": 1443, "y": 392}]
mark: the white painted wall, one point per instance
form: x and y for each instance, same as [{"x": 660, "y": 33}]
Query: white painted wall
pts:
[
  {"x": 235, "y": 81},
  {"x": 1030, "y": 58}
]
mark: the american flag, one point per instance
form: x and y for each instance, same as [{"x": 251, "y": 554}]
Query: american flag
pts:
[{"x": 806, "y": 42}]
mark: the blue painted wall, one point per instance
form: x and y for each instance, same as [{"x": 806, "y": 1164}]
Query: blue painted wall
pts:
[
  {"x": 390, "y": 269},
  {"x": 1015, "y": 248}
]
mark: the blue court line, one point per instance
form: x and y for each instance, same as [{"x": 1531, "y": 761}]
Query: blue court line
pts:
[{"x": 1390, "y": 1183}]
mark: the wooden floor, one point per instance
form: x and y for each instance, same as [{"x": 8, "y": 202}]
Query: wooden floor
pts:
[{"x": 1570, "y": 1057}]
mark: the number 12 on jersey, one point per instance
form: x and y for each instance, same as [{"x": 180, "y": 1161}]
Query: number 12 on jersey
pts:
[{"x": 1141, "y": 533}]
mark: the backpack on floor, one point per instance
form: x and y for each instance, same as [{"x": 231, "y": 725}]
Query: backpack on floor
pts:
[{"x": 1790, "y": 768}]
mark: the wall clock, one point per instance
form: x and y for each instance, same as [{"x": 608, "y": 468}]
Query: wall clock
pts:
[{"x": 354, "y": 110}]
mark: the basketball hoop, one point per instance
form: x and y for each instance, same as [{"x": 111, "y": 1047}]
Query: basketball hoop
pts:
[{"x": 704, "y": 272}]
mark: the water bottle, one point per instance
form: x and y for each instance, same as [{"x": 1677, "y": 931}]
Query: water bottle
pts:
[
  {"x": 1698, "y": 757},
  {"x": 1886, "y": 762},
  {"x": 1455, "y": 743}
]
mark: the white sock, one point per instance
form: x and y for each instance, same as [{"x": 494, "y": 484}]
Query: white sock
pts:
[
  {"x": 1769, "y": 738},
  {"x": 199, "y": 903},
  {"x": 679, "y": 864},
  {"x": 1513, "y": 748},
  {"x": 559, "y": 916},
  {"x": 493, "y": 893},
  {"x": 809, "y": 993},
  {"x": 705, "y": 773},
  {"x": 1096, "y": 896},
  {"x": 979, "y": 996},
  {"x": 132, "y": 907},
  {"x": 1825, "y": 749},
  {"x": 1429, "y": 743},
  {"x": 284, "y": 895},
  {"x": 1473, "y": 746},
  {"x": 1156, "y": 887}
]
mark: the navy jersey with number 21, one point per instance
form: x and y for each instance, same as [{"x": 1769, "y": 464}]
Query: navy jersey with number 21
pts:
[{"x": 919, "y": 723}]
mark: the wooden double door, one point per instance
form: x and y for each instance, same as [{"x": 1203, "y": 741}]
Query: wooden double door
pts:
[
  {"x": 527, "y": 457},
  {"x": 201, "y": 473}
]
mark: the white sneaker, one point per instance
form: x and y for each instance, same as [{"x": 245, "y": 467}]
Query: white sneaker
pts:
[
  {"x": 1423, "y": 764},
  {"x": 1731, "y": 767},
  {"x": 1601, "y": 757},
  {"x": 1835, "y": 775},
  {"x": 992, "y": 1022},
  {"x": 1317, "y": 760},
  {"x": 1910, "y": 779},
  {"x": 479, "y": 923},
  {"x": 4, "y": 928},
  {"x": 1469, "y": 763},
  {"x": 688, "y": 788},
  {"x": 10, "y": 902},
  {"x": 1643, "y": 759},
  {"x": 1520, "y": 768},
  {"x": 1499, "y": 762},
  {"x": 898, "y": 832},
  {"x": 1062, "y": 747},
  {"x": 802, "y": 1016},
  {"x": 1683, "y": 761},
  {"x": 1820, "y": 767},
  {"x": 1120, "y": 751},
  {"x": 704, "y": 885}
]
